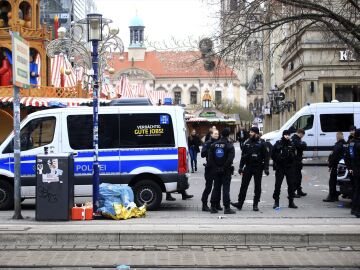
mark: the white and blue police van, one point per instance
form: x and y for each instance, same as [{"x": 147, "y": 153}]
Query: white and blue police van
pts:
[{"x": 144, "y": 147}]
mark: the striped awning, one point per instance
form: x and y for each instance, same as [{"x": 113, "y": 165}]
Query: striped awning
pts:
[{"x": 49, "y": 102}]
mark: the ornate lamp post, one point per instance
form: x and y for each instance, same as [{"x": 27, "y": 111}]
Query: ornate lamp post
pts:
[{"x": 104, "y": 41}]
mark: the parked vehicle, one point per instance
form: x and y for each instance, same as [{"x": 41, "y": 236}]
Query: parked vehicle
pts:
[
  {"x": 320, "y": 121},
  {"x": 343, "y": 184},
  {"x": 142, "y": 146}
]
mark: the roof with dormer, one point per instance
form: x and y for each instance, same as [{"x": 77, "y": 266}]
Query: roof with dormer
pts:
[{"x": 173, "y": 64}]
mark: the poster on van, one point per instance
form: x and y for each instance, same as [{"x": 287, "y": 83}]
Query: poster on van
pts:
[{"x": 146, "y": 130}]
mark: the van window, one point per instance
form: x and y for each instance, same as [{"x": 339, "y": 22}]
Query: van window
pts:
[
  {"x": 305, "y": 122},
  {"x": 336, "y": 122},
  {"x": 36, "y": 133},
  {"x": 146, "y": 130},
  {"x": 80, "y": 131}
]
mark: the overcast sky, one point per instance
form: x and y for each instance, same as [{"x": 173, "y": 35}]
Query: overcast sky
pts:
[{"x": 163, "y": 19}]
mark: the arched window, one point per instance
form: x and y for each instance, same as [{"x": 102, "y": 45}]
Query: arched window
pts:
[
  {"x": 160, "y": 88},
  {"x": 35, "y": 66},
  {"x": 25, "y": 14},
  {"x": 5, "y": 14}
]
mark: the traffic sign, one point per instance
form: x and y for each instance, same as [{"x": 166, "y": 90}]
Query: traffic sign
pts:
[{"x": 20, "y": 57}]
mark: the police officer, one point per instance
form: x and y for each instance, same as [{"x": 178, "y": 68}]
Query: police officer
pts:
[
  {"x": 352, "y": 130},
  {"x": 220, "y": 159},
  {"x": 208, "y": 176},
  {"x": 254, "y": 160},
  {"x": 283, "y": 155},
  {"x": 300, "y": 147},
  {"x": 352, "y": 160},
  {"x": 333, "y": 160}
]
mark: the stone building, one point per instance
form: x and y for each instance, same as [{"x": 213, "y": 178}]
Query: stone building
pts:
[
  {"x": 317, "y": 69},
  {"x": 179, "y": 73}
]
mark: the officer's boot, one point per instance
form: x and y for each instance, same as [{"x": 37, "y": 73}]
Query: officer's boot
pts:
[
  {"x": 255, "y": 206},
  {"x": 228, "y": 210},
  {"x": 213, "y": 209},
  {"x": 169, "y": 197},
  {"x": 238, "y": 205},
  {"x": 205, "y": 207},
  {"x": 276, "y": 203},
  {"x": 292, "y": 204}
]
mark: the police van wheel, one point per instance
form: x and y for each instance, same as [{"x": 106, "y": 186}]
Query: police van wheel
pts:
[
  {"x": 149, "y": 192},
  {"x": 6, "y": 195}
]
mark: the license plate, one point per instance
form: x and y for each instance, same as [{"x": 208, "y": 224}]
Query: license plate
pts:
[{"x": 338, "y": 188}]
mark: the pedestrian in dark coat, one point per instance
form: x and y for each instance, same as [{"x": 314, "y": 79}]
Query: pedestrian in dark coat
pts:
[
  {"x": 334, "y": 158},
  {"x": 194, "y": 143},
  {"x": 300, "y": 147}
]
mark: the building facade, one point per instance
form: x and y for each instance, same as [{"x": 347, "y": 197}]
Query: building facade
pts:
[
  {"x": 180, "y": 74},
  {"x": 316, "y": 70}
]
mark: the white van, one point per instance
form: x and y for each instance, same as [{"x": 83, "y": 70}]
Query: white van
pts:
[
  {"x": 142, "y": 146},
  {"x": 320, "y": 121}
]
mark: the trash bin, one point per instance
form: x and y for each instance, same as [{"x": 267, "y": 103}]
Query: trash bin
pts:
[{"x": 54, "y": 186}]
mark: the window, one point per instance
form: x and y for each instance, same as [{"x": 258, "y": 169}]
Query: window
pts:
[
  {"x": 36, "y": 133},
  {"x": 146, "y": 130},
  {"x": 336, "y": 122},
  {"x": 350, "y": 93},
  {"x": 193, "y": 97},
  {"x": 218, "y": 97},
  {"x": 327, "y": 93},
  {"x": 305, "y": 122},
  {"x": 80, "y": 131},
  {"x": 177, "y": 98}
]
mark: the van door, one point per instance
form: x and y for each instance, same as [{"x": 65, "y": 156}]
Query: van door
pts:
[
  {"x": 34, "y": 136},
  {"x": 307, "y": 122},
  {"x": 331, "y": 122},
  {"x": 80, "y": 134}
]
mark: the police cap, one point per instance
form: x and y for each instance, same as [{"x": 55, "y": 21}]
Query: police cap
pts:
[{"x": 255, "y": 130}]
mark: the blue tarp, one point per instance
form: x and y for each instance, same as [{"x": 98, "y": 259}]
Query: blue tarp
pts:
[{"x": 114, "y": 193}]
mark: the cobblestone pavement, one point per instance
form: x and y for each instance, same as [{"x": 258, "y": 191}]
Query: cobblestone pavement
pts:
[{"x": 184, "y": 258}]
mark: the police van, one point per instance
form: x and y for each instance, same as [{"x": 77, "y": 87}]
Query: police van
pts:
[
  {"x": 142, "y": 146},
  {"x": 321, "y": 122}
]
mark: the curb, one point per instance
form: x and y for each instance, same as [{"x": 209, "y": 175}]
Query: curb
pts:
[{"x": 181, "y": 239}]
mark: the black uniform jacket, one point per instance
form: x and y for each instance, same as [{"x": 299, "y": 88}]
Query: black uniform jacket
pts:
[
  {"x": 283, "y": 154},
  {"x": 353, "y": 162},
  {"x": 255, "y": 153},
  {"x": 337, "y": 154},
  {"x": 300, "y": 147},
  {"x": 228, "y": 158}
]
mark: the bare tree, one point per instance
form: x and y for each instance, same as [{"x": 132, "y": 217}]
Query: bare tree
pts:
[{"x": 245, "y": 21}]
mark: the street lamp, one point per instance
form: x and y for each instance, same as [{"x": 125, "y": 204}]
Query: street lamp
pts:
[{"x": 104, "y": 41}]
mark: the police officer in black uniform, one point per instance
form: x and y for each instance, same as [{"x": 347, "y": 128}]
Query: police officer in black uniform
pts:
[
  {"x": 208, "y": 176},
  {"x": 300, "y": 147},
  {"x": 333, "y": 160},
  {"x": 254, "y": 160},
  {"x": 220, "y": 159},
  {"x": 352, "y": 161},
  {"x": 283, "y": 155}
]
